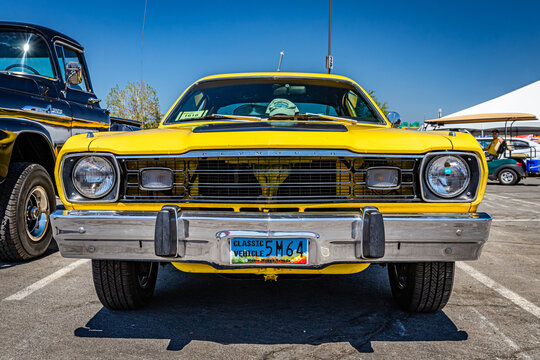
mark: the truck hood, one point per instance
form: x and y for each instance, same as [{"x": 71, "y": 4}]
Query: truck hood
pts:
[{"x": 356, "y": 138}]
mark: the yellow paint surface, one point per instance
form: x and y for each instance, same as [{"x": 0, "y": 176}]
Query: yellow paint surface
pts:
[{"x": 331, "y": 269}]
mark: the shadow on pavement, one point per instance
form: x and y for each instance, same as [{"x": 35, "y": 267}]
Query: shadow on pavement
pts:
[
  {"x": 51, "y": 250},
  {"x": 350, "y": 308},
  {"x": 505, "y": 186}
]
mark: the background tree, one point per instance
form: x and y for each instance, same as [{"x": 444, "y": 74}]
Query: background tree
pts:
[
  {"x": 382, "y": 105},
  {"x": 135, "y": 102}
]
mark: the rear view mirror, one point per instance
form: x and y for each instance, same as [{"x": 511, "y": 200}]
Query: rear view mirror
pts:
[
  {"x": 73, "y": 73},
  {"x": 290, "y": 90},
  {"x": 394, "y": 119}
]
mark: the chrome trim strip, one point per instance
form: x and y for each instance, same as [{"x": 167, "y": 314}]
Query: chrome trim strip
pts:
[
  {"x": 451, "y": 200},
  {"x": 81, "y": 155},
  {"x": 269, "y": 152}
]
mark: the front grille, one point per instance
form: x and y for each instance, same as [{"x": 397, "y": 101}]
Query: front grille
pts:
[{"x": 270, "y": 179}]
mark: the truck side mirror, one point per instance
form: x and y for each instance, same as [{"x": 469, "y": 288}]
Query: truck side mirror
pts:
[
  {"x": 394, "y": 119},
  {"x": 73, "y": 73}
]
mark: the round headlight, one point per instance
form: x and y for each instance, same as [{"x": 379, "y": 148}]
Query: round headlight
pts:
[
  {"x": 447, "y": 176},
  {"x": 93, "y": 177}
]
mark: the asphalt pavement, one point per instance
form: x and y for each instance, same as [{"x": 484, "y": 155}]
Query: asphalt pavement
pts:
[{"x": 49, "y": 309}]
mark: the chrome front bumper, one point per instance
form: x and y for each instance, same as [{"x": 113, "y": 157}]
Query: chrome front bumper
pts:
[{"x": 204, "y": 237}]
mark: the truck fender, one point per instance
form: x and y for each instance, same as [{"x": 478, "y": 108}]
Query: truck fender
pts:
[{"x": 14, "y": 129}]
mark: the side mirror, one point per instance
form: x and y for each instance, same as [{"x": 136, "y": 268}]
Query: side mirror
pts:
[
  {"x": 73, "y": 73},
  {"x": 394, "y": 119}
]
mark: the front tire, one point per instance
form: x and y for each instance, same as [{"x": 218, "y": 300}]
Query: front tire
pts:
[
  {"x": 124, "y": 285},
  {"x": 421, "y": 287},
  {"x": 27, "y": 199},
  {"x": 508, "y": 177}
]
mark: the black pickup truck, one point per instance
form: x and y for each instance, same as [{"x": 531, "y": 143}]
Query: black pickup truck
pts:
[{"x": 46, "y": 96}]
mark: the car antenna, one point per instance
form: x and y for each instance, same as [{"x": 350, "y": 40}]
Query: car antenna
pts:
[
  {"x": 329, "y": 57},
  {"x": 280, "y": 58}
]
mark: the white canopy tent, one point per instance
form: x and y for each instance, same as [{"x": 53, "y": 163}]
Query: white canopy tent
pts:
[{"x": 522, "y": 100}]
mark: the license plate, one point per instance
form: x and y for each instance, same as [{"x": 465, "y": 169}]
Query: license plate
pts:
[{"x": 269, "y": 251}]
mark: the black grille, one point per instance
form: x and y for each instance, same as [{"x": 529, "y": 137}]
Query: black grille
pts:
[{"x": 271, "y": 179}]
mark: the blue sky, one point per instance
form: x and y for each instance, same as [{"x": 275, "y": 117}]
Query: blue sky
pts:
[{"x": 416, "y": 55}]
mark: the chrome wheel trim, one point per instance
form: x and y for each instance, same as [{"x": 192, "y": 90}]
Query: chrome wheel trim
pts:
[
  {"x": 400, "y": 274},
  {"x": 144, "y": 271},
  {"x": 507, "y": 177},
  {"x": 37, "y": 213}
]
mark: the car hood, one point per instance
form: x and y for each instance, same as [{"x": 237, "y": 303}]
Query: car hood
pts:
[{"x": 356, "y": 138}]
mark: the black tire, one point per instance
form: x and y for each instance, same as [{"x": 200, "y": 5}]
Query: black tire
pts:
[
  {"x": 124, "y": 285},
  {"x": 508, "y": 177},
  {"x": 25, "y": 229},
  {"x": 421, "y": 287}
]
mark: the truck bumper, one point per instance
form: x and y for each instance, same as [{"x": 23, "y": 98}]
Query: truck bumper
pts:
[{"x": 173, "y": 235}]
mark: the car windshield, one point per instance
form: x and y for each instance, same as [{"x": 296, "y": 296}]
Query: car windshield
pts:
[
  {"x": 268, "y": 98},
  {"x": 24, "y": 53}
]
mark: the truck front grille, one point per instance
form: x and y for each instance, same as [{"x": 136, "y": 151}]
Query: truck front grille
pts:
[{"x": 270, "y": 179}]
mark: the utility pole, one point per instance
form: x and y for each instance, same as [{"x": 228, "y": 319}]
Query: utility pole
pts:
[
  {"x": 329, "y": 58},
  {"x": 142, "y": 82},
  {"x": 142, "y": 39}
]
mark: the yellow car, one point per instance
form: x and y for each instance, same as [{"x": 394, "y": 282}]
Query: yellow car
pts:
[{"x": 272, "y": 174}]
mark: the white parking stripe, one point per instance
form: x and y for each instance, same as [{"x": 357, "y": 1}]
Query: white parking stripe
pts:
[
  {"x": 45, "y": 281},
  {"x": 506, "y": 339},
  {"x": 509, "y": 294},
  {"x": 515, "y": 220},
  {"x": 524, "y": 202}
]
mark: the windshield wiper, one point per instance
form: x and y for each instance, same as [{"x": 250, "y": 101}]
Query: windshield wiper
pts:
[{"x": 309, "y": 116}]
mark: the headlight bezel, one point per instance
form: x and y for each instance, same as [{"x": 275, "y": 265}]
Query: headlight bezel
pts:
[
  {"x": 469, "y": 194},
  {"x": 78, "y": 186},
  {"x": 72, "y": 194}
]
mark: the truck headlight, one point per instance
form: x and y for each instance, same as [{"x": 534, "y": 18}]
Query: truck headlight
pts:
[
  {"x": 93, "y": 176},
  {"x": 447, "y": 176}
]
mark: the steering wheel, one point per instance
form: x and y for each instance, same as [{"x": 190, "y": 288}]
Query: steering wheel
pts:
[{"x": 23, "y": 66}]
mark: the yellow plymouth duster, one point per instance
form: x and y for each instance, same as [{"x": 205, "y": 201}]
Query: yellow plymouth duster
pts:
[{"x": 272, "y": 174}]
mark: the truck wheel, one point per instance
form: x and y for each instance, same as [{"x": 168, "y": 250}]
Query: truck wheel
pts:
[
  {"x": 124, "y": 285},
  {"x": 421, "y": 287},
  {"x": 26, "y": 202},
  {"x": 508, "y": 177}
]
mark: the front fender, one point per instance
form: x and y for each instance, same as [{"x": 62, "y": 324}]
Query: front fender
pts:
[{"x": 10, "y": 129}]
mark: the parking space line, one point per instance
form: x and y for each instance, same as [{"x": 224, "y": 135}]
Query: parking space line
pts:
[
  {"x": 45, "y": 281},
  {"x": 524, "y": 202},
  {"x": 508, "y": 294},
  {"x": 506, "y": 339},
  {"x": 515, "y": 220}
]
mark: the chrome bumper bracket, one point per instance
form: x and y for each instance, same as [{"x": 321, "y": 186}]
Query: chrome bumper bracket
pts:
[{"x": 166, "y": 233}]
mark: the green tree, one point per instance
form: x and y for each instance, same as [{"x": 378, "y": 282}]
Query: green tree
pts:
[
  {"x": 382, "y": 105},
  {"x": 135, "y": 102}
]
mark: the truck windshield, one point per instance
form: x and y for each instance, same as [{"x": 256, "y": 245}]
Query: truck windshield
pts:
[
  {"x": 25, "y": 52},
  {"x": 267, "y": 98}
]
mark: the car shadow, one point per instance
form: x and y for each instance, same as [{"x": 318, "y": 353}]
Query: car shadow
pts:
[
  {"x": 349, "y": 308},
  {"x": 53, "y": 247},
  {"x": 518, "y": 184}
]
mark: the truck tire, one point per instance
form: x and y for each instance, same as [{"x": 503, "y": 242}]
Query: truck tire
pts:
[
  {"x": 26, "y": 201},
  {"x": 124, "y": 285},
  {"x": 421, "y": 287},
  {"x": 508, "y": 177}
]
